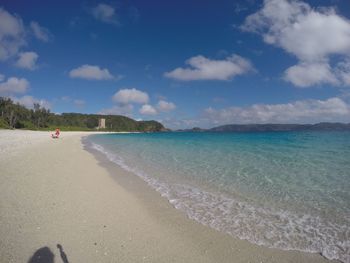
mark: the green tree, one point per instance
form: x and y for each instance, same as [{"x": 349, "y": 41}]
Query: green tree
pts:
[
  {"x": 40, "y": 116},
  {"x": 92, "y": 122},
  {"x": 10, "y": 112}
]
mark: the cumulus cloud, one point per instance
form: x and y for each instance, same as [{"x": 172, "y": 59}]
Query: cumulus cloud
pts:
[
  {"x": 202, "y": 68},
  {"x": 334, "y": 109},
  {"x": 28, "y": 102},
  {"x": 126, "y": 96},
  {"x": 105, "y": 13},
  {"x": 126, "y": 99},
  {"x": 302, "y": 31},
  {"x": 126, "y": 109},
  {"x": 12, "y": 34},
  {"x": 40, "y": 32},
  {"x": 91, "y": 72},
  {"x": 165, "y": 106},
  {"x": 27, "y": 60},
  {"x": 343, "y": 71},
  {"x": 148, "y": 110},
  {"x": 307, "y": 74},
  {"x": 311, "y": 35},
  {"x": 303, "y": 111},
  {"x": 14, "y": 85}
]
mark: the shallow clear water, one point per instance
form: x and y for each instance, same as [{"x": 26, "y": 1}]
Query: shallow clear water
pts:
[{"x": 288, "y": 190}]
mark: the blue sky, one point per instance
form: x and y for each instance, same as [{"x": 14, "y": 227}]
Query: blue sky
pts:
[{"x": 185, "y": 63}]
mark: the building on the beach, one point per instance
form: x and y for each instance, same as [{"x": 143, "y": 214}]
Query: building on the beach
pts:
[{"x": 101, "y": 123}]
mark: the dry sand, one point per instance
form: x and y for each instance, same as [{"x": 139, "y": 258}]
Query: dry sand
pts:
[{"x": 55, "y": 192}]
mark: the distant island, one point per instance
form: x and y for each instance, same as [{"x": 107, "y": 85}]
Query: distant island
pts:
[
  {"x": 323, "y": 126},
  {"x": 16, "y": 116}
]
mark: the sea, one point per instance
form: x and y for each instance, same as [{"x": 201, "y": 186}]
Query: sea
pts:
[{"x": 286, "y": 190}]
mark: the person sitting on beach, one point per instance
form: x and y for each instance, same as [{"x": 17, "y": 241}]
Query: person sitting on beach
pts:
[{"x": 56, "y": 134}]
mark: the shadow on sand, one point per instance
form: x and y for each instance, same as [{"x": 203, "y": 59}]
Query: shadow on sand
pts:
[
  {"x": 42, "y": 255},
  {"x": 45, "y": 255},
  {"x": 63, "y": 255}
]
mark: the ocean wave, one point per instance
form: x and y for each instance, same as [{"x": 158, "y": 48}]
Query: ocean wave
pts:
[{"x": 259, "y": 225}]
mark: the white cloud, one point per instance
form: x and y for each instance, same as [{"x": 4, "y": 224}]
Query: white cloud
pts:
[
  {"x": 105, "y": 13},
  {"x": 303, "y": 111},
  {"x": 12, "y": 34},
  {"x": 148, "y": 110},
  {"x": 91, "y": 73},
  {"x": 40, "y": 32},
  {"x": 125, "y": 96},
  {"x": 2, "y": 77},
  {"x": 308, "y": 74},
  {"x": 181, "y": 123},
  {"x": 27, "y": 60},
  {"x": 343, "y": 71},
  {"x": 125, "y": 109},
  {"x": 202, "y": 68},
  {"x": 311, "y": 35},
  {"x": 28, "y": 102},
  {"x": 14, "y": 85},
  {"x": 79, "y": 103},
  {"x": 304, "y": 32},
  {"x": 66, "y": 99},
  {"x": 165, "y": 106},
  {"x": 334, "y": 109}
]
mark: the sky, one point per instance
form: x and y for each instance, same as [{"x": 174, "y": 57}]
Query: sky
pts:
[{"x": 196, "y": 63}]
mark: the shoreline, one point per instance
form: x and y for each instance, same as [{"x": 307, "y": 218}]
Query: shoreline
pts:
[
  {"x": 55, "y": 191},
  {"x": 149, "y": 196}
]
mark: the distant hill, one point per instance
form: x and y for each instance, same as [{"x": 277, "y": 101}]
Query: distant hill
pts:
[
  {"x": 14, "y": 115},
  {"x": 323, "y": 126},
  {"x": 113, "y": 122},
  {"x": 195, "y": 129}
]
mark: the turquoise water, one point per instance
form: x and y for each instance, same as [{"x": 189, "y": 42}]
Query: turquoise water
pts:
[{"x": 288, "y": 190}]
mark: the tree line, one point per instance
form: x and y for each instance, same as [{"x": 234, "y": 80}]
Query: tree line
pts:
[{"x": 16, "y": 116}]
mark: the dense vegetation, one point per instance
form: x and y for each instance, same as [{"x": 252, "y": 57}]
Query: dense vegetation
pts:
[{"x": 14, "y": 115}]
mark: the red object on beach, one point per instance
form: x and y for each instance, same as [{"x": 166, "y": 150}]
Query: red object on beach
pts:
[{"x": 57, "y": 134}]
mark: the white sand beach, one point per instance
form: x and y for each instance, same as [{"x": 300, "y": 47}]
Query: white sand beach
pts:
[{"x": 52, "y": 191}]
